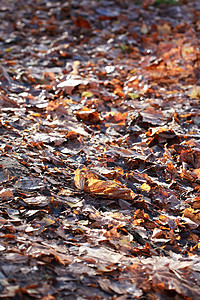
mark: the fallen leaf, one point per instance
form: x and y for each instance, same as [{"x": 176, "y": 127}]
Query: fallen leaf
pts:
[
  {"x": 38, "y": 250},
  {"x": 6, "y": 194},
  {"x": 79, "y": 179},
  {"x": 145, "y": 187},
  {"x": 195, "y": 93},
  {"x": 192, "y": 214},
  {"x": 87, "y": 94},
  {"x": 109, "y": 189}
]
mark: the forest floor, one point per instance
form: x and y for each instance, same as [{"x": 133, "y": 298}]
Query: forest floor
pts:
[{"x": 100, "y": 150}]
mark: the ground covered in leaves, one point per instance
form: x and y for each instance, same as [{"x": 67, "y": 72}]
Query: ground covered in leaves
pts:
[{"x": 100, "y": 150}]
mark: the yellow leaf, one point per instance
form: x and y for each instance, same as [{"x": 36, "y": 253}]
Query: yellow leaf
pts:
[
  {"x": 36, "y": 115},
  {"x": 8, "y": 50},
  {"x": 145, "y": 187},
  {"x": 133, "y": 95},
  {"x": 133, "y": 71},
  {"x": 87, "y": 94}
]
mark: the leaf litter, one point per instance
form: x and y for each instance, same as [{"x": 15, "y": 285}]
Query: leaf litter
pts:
[{"x": 99, "y": 167}]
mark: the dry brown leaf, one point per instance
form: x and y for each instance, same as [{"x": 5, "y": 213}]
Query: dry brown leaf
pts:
[
  {"x": 91, "y": 116},
  {"x": 37, "y": 250},
  {"x": 192, "y": 214},
  {"x": 6, "y": 194},
  {"x": 109, "y": 189},
  {"x": 37, "y": 201},
  {"x": 197, "y": 172},
  {"x": 196, "y": 203},
  {"x": 79, "y": 179},
  {"x": 88, "y": 181}
]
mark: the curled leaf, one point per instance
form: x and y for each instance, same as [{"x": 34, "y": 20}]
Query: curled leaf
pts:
[
  {"x": 104, "y": 188},
  {"x": 79, "y": 179}
]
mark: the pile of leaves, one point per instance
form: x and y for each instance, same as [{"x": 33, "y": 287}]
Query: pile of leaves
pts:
[{"x": 100, "y": 150}]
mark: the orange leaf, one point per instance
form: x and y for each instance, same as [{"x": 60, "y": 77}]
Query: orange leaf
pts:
[
  {"x": 118, "y": 91},
  {"x": 82, "y": 23},
  {"x": 90, "y": 116},
  {"x": 108, "y": 188},
  {"x": 197, "y": 171},
  {"x": 6, "y": 194}
]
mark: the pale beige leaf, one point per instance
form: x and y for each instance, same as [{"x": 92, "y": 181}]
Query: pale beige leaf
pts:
[{"x": 79, "y": 179}]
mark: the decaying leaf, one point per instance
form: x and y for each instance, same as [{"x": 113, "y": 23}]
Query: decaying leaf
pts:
[
  {"x": 37, "y": 201},
  {"x": 37, "y": 250}
]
